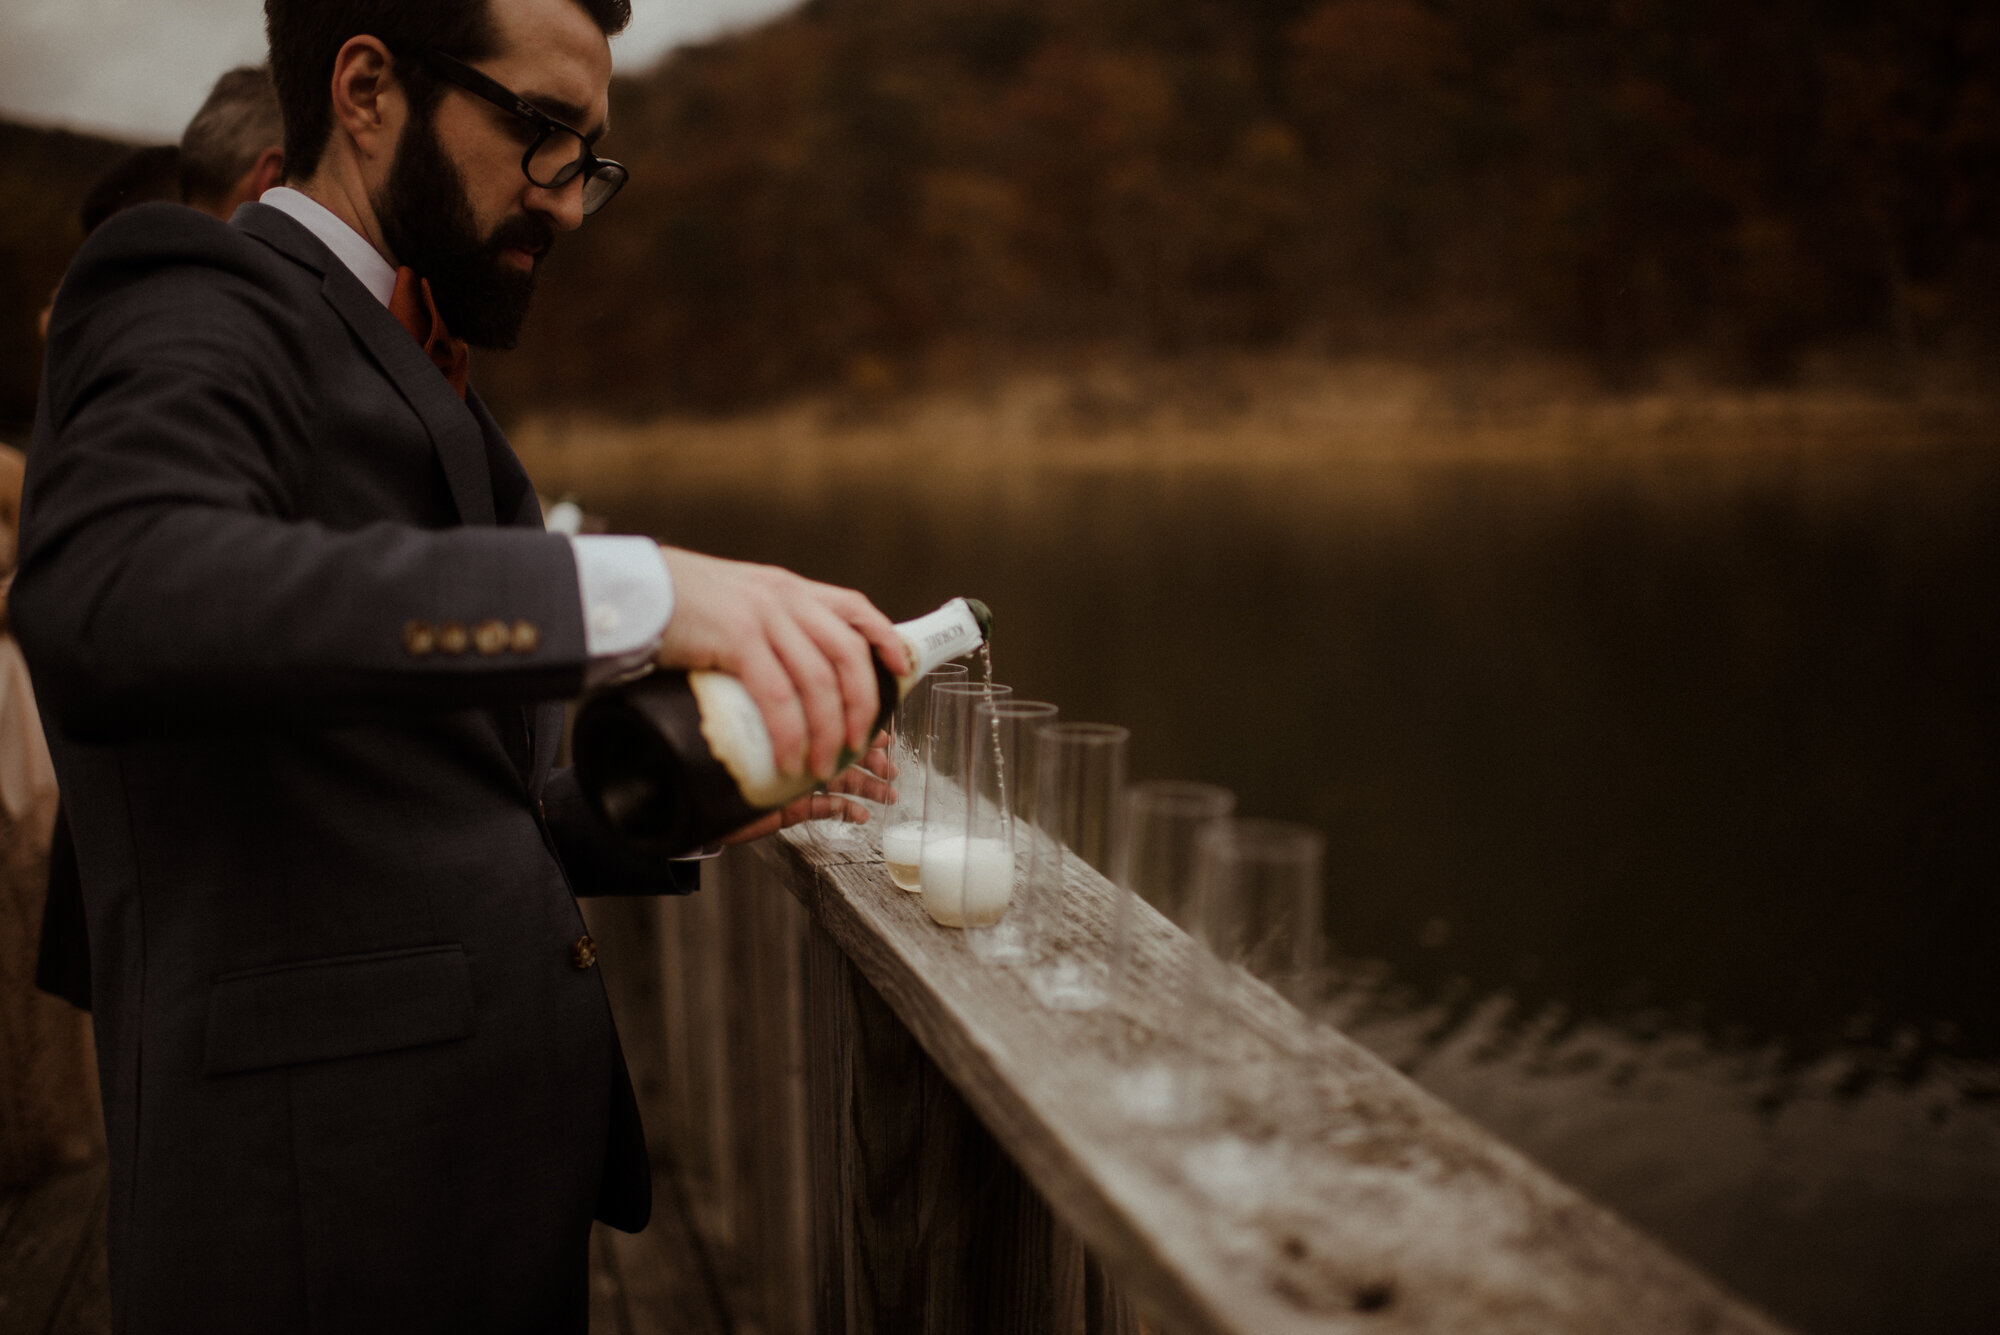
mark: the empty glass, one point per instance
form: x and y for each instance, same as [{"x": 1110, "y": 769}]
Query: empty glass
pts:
[
  {"x": 1082, "y": 772},
  {"x": 1260, "y": 890},
  {"x": 903, "y": 819},
  {"x": 946, "y": 749},
  {"x": 1004, "y": 923},
  {"x": 1160, "y": 824},
  {"x": 1160, "y": 828}
]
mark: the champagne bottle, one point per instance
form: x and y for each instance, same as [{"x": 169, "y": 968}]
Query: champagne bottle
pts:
[{"x": 676, "y": 759}]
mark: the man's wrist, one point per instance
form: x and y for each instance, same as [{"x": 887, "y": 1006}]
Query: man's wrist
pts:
[{"x": 627, "y": 596}]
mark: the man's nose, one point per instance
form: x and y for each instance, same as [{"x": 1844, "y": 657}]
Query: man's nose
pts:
[{"x": 562, "y": 205}]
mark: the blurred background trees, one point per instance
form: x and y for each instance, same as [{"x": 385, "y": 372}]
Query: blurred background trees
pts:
[{"x": 872, "y": 192}]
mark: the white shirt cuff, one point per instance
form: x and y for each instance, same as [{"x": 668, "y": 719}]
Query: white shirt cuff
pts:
[
  {"x": 703, "y": 854},
  {"x": 628, "y": 598}
]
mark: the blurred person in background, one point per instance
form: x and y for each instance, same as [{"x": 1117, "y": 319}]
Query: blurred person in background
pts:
[
  {"x": 143, "y": 176},
  {"x": 234, "y": 148},
  {"x": 48, "y": 1109},
  {"x": 302, "y": 641},
  {"x": 49, "y": 1115}
]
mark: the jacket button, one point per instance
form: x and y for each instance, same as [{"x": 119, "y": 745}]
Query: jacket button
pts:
[
  {"x": 490, "y": 638},
  {"x": 418, "y": 638},
  {"x": 525, "y": 638},
  {"x": 452, "y": 638},
  {"x": 583, "y": 952}
]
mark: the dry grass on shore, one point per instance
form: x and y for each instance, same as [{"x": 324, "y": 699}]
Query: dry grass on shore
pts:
[{"x": 1280, "y": 414}]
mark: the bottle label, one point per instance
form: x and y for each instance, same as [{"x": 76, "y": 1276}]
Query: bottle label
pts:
[
  {"x": 939, "y": 637},
  {"x": 733, "y": 727}
]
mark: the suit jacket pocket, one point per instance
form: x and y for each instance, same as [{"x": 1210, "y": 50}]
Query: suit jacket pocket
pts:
[{"x": 344, "y": 1007}]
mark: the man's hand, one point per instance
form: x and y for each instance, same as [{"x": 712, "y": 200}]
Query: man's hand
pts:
[
  {"x": 801, "y": 648},
  {"x": 869, "y": 778}
]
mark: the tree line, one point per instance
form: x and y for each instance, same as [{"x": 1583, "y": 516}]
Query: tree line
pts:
[
  {"x": 855, "y": 187},
  {"x": 868, "y": 179}
]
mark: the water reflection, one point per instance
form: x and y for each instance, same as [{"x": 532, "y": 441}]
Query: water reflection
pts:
[
  {"x": 1664, "y": 795},
  {"x": 1858, "y": 1191}
]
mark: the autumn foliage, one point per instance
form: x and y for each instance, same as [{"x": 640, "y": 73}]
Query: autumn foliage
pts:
[
  {"x": 882, "y": 190},
  {"x": 858, "y": 186}
]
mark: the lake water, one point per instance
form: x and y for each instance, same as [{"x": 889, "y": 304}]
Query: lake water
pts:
[{"x": 1662, "y": 796}]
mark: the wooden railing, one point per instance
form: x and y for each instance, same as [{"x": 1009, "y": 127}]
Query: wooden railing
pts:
[{"x": 876, "y": 1132}]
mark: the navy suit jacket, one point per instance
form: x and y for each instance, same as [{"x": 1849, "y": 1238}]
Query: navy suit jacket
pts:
[{"x": 300, "y": 642}]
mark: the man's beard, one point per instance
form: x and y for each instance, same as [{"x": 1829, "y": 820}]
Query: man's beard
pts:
[{"x": 427, "y": 221}]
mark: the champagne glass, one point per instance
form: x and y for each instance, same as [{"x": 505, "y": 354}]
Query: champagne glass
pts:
[
  {"x": 1160, "y": 828},
  {"x": 946, "y": 750},
  {"x": 1258, "y": 888},
  {"x": 1003, "y": 924},
  {"x": 1082, "y": 773},
  {"x": 1261, "y": 889},
  {"x": 903, "y": 819}
]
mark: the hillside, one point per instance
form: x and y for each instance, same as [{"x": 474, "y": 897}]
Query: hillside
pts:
[
  {"x": 882, "y": 191},
  {"x": 888, "y": 193}
]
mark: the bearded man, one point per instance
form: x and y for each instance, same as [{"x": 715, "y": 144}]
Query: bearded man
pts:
[{"x": 299, "y": 640}]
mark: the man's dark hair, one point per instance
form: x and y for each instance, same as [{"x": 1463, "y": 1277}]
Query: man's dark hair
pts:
[
  {"x": 306, "y": 35},
  {"x": 231, "y": 131},
  {"x": 138, "y": 178}
]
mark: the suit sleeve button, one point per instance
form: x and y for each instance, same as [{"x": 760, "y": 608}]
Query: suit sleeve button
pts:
[
  {"x": 418, "y": 638},
  {"x": 490, "y": 638},
  {"x": 452, "y": 638},
  {"x": 583, "y": 952},
  {"x": 525, "y": 638}
]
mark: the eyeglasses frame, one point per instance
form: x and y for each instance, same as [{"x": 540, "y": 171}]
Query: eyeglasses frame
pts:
[{"x": 488, "y": 89}]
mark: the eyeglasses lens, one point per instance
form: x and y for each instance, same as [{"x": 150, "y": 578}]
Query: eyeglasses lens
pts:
[
  {"x": 556, "y": 159},
  {"x": 602, "y": 185}
]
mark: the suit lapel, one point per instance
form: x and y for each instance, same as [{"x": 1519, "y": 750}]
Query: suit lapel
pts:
[
  {"x": 513, "y": 495},
  {"x": 454, "y": 431},
  {"x": 478, "y": 462}
]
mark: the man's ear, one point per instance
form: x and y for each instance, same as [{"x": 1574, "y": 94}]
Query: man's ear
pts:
[
  {"x": 268, "y": 171},
  {"x": 369, "y": 105}
]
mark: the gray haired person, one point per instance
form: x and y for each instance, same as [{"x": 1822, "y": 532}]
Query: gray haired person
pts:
[{"x": 233, "y": 149}]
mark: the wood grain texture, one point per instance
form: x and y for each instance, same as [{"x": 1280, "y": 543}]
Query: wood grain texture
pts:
[
  {"x": 922, "y": 1224},
  {"x": 1322, "y": 1191},
  {"x": 766, "y": 963},
  {"x": 663, "y": 1288}
]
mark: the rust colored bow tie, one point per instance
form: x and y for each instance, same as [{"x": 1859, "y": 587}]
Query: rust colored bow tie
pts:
[{"x": 414, "y": 309}]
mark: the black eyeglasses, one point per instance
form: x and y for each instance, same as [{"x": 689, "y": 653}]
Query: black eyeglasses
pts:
[{"x": 557, "y": 154}]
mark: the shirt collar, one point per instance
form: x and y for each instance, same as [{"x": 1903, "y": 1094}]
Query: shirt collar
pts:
[{"x": 366, "y": 263}]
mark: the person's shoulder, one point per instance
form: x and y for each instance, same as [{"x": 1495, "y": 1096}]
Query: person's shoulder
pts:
[
  {"x": 166, "y": 272},
  {"x": 163, "y": 235}
]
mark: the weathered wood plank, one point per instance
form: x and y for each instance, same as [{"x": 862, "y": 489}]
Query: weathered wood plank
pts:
[
  {"x": 668, "y": 965},
  {"x": 921, "y": 1222},
  {"x": 663, "y": 1286},
  {"x": 1326, "y": 1191},
  {"x": 42, "y": 1253},
  {"x": 1089, "y": 1296},
  {"x": 765, "y": 958},
  {"x": 720, "y": 1069}
]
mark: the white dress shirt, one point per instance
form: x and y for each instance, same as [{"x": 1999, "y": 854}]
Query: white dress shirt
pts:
[{"x": 627, "y": 594}]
